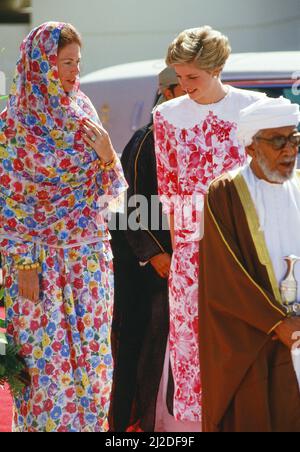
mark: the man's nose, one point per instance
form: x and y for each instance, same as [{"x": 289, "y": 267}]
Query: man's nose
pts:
[{"x": 291, "y": 148}]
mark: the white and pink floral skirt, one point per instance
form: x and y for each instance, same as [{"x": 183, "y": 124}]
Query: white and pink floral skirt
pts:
[{"x": 184, "y": 349}]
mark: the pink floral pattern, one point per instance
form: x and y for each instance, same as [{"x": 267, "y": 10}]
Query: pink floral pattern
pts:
[
  {"x": 184, "y": 332},
  {"x": 188, "y": 160}
]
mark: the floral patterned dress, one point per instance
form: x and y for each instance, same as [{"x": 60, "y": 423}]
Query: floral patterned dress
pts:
[
  {"x": 53, "y": 194},
  {"x": 194, "y": 145}
]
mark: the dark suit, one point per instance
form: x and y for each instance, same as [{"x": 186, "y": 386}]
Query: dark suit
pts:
[{"x": 141, "y": 315}]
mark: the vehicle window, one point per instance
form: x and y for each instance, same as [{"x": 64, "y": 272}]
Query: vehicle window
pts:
[
  {"x": 289, "y": 93},
  {"x": 277, "y": 92}
]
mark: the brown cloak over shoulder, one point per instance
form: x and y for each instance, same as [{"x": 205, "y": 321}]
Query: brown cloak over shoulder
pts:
[{"x": 249, "y": 383}]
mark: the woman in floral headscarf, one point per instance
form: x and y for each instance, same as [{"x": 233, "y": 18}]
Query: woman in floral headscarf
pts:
[{"x": 58, "y": 171}]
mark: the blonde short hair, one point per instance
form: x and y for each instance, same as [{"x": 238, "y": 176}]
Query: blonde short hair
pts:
[
  {"x": 208, "y": 49},
  {"x": 69, "y": 35}
]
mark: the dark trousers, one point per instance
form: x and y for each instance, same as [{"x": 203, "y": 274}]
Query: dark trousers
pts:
[{"x": 140, "y": 331}]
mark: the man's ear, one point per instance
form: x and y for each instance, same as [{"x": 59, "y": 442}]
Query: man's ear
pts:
[
  {"x": 250, "y": 150},
  {"x": 168, "y": 94}
]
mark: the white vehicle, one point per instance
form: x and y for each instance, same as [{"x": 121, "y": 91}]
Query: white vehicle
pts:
[{"x": 124, "y": 95}]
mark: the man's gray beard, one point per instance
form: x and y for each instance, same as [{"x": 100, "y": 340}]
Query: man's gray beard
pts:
[{"x": 274, "y": 176}]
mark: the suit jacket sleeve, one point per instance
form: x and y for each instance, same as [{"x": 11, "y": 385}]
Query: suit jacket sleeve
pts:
[{"x": 140, "y": 172}]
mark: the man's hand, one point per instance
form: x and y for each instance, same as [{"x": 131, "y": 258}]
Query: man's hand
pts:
[
  {"x": 287, "y": 331},
  {"x": 162, "y": 264},
  {"x": 29, "y": 286}
]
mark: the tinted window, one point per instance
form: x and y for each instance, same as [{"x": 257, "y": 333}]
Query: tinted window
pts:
[{"x": 287, "y": 92}]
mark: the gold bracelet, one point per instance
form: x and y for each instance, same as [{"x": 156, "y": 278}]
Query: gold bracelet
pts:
[
  {"x": 109, "y": 165},
  {"x": 34, "y": 266}
]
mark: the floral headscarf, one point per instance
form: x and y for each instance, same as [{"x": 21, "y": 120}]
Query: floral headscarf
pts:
[{"x": 51, "y": 183}]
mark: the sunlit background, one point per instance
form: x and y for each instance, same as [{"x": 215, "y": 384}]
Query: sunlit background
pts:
[{"x": 121, "y": 31}]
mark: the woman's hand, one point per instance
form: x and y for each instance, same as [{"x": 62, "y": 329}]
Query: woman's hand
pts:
[
  {"x": 29, "y": 286},
  {"x": 98, "y": 138}
]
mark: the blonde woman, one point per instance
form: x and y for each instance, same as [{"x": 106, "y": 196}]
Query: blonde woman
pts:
[{"x": 195, "y": 143}]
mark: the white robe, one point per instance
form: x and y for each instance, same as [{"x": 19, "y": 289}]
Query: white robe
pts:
[{"x": 278, "y": 208}]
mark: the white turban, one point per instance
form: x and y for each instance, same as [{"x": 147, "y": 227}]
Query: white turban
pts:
[{"x": 267, "y": 113}]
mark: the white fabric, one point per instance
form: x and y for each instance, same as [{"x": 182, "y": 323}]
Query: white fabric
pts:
[
  {"x": 296, "y": 362},
  {"x": 3, "y": 344},
  {"x": 278, "y": 208},
  {"x": 164, "y": 421},
  {"x": 203, "y": 132},
  {"x": 185, "y": 113},
  {"x": 267, "y": 113}
]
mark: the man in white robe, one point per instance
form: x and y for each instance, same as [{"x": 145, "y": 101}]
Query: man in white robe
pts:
[
  {"x": 252, "y": 222},
  {"x": 274, "y": 184}
]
